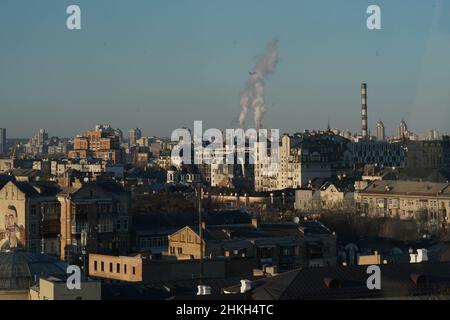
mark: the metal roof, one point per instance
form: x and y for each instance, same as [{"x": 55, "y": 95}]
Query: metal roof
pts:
[{"x": 19, "y": 269}]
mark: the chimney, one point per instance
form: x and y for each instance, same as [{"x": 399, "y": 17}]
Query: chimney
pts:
[
  {"x": 255, "y": 222},
  {"x": 246, "y": 285},
  {"x": 364, "y": 132},
  {"x": 422, "y": 255},
  {"x": 203, "y": 290}
]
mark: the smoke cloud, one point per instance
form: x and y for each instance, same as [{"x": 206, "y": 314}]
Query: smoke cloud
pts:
[{"x": 253, "y": 96}]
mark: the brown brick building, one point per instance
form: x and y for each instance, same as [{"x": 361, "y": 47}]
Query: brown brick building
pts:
[{"x": 98, "y": 144}]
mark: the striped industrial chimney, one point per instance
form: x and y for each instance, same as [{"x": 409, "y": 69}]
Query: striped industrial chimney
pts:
[{"x": 364, "y": 132}]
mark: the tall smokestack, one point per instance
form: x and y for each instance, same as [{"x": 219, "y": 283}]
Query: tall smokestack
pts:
[{"x": 364, "y": 132}]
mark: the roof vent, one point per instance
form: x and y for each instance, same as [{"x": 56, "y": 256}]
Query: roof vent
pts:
[
  {"x": 246, "y": 285},
  {"x": 419, "y": 257},
  {"x": 203, "y": 290}
]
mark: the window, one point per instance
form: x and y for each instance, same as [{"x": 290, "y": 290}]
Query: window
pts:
[
  {"x": 105, "y": 225},
  {"x": 134, "y": 270},
  {"x": 125, "y": 269},
  {"x": 118, "y": 268},
  {"x": 110, "y": 267},
  {"x": 180, "y": 250},
  {"x": 102, "y": 266},
  {"x": 95, "y": 265}
]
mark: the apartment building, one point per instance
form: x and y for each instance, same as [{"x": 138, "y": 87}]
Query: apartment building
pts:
[
  {"x": 95, "y": 216},
  {"x": 284, "y": 245},
  {"x": 51, "y": 218},
  {"x": 99, "y": 144},
  {"x": 406, "y": 200},
  {"x": 302, "y": 158}
]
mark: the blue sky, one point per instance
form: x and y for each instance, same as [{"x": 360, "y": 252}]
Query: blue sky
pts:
[{"x": 160, "y": 65}]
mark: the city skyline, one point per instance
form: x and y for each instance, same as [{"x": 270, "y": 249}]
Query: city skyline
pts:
[{"x": 125, "y": 66}]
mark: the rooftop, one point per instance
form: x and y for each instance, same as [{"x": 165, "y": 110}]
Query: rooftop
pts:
[
  {"x": 407, "y": 188},
  {"x": 397, "y": 280},
  {"x": 19, "y": 269}
]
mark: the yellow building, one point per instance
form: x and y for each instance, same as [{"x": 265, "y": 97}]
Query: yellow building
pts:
[
  {"x": 56, "y": 289},
  {"x": 116, "y": 268},
  {"x": 185, "y": 244}
]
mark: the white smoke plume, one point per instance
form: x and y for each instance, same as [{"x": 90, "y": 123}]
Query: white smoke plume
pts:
[{"x": 253, "y": 96}]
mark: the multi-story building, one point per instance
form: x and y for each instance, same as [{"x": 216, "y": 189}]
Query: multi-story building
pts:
[
  {"x": 49, "y": 217},
  {"x": 403, "y": 130},
  {"x": 29, "y": 217},
  {"x": 3, "y": 141},
  {"x": 427, "y": 154},
  {"x": 98, "y": 144},
  {"x": 406, "y": 200},
  {"x": 252, "y": 202},
  {"x": 60, "y": 168},
  {"x": 381, "y": 132},
  {"x": 334, "y": 195},
  {"x": 382, "y": 153},
  {"x": 285, "y": 245},
  {"x": 38, "y": 143},
  {"x": 134, "y": 135},
  {"x": 302, "y": 158},
  {"x": 94, "y": 216}
]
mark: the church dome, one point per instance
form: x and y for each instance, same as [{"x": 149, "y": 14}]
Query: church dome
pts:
[{"x": 19, "y": 269}]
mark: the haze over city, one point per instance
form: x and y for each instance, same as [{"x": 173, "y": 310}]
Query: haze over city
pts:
[{"x": 161, "y": 65}]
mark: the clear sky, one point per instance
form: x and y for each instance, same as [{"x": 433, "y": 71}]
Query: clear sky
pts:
[{"x": 160, "y": 65}]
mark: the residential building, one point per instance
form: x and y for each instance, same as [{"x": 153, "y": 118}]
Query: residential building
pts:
[
  {"x": 98, "y": 210},
  {"x": 50, "y": 218},
  {"x": 381, "y": 132},
  {"x": 3, "y": 148},
  {"x": 337, "y": 194},
  {"x": 425, "y": 201},
  {"x": 134, "y": 135},
  {"x": 302, "y": 158},
  {"x": 427, "y": 154},
  {"x": 29, "y": 217},
  {"x": 98, "y": 144},
  {"x": 284, "y": 245},
  {"x": 403, "y": 130}
]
